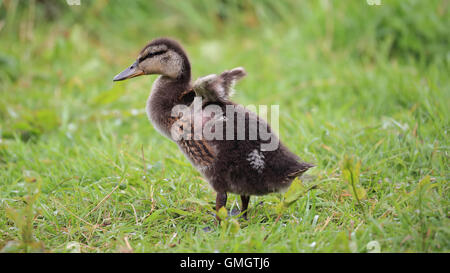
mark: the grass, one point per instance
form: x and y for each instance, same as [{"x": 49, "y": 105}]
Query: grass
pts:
[{"x": 363, "y": 92}]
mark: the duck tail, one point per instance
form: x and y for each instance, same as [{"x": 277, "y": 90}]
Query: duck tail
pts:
[{"x": 302, "y": 167}]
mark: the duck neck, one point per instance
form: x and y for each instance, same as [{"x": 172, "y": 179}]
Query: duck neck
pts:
[{"x": 165, "y": 94}]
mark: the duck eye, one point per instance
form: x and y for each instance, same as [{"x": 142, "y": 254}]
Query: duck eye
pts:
[{"x": 152, "y": 54}]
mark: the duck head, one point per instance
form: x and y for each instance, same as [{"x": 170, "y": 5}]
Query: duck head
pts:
[{"x": 161, "y": 56}]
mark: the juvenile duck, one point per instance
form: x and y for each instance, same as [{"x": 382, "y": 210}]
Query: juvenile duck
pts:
[{"x": 240, "y": 160}]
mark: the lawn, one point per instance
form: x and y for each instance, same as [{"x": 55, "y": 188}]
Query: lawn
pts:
[{"x": 363, "y": 90}]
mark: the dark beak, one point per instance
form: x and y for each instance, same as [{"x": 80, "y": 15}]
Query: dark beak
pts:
[{"x": 130, "y": 72}]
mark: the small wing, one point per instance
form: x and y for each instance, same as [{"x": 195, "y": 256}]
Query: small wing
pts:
[
  {"x": 218, "y": 87},
  {"x": 229, "y": 79}
]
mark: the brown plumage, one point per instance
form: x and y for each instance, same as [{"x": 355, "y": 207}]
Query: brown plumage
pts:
[
  {"x": 230, "y": 166},
  {"x": 218, "y": 88}
]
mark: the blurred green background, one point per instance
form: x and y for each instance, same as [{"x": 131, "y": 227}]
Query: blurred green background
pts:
[{"x": 355, "y": 80}]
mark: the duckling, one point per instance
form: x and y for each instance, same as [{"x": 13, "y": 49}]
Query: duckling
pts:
[{"x": 239, "y": 164}]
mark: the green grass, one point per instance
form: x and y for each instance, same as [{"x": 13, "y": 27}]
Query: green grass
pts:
[{"x": 363, "y": 92}]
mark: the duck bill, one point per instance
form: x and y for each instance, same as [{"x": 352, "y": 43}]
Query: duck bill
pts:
[{"x": 130, "y": 72}]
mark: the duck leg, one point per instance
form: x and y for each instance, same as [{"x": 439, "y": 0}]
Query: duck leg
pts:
[
  {"x": 245, "y": 200},
  {"x": 221, "y": 201}
]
